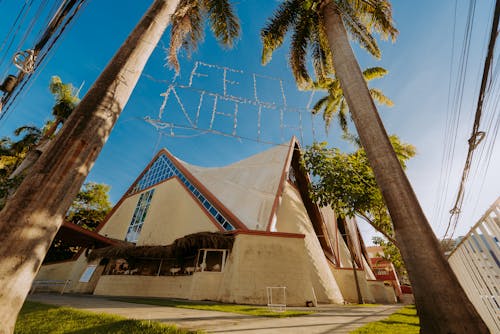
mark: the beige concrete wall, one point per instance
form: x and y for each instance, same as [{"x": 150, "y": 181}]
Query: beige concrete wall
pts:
[
  {"x": 206, "y": 286},
  {"x": 144, "y": 286},
  {"x": 257, "y": 262},
  {"x": 381, "y": 293},
  {"x": 390, "y": 295},
  {"x": 56, "y": 271},
  {"x": 70, "y": 270},
  {"x": 117, "y": 225},
  {"x": 173, "y": 213},
  {"x": 293, "y": 218},
  {"x": 347, "y": 284}
]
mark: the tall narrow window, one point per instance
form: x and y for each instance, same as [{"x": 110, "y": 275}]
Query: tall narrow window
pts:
[{"x": 139, "y": 216}]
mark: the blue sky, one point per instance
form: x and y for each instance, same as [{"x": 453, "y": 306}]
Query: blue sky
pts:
[{"x": 419, "y": 65}]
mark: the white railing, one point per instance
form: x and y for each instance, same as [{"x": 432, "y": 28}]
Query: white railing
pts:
[{"x": 476, "y": 263}]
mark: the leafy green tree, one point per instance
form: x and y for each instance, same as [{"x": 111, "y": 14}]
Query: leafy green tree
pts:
[
  {"x": 16, "y": 157},
  {"x": 345, "y": 181},
  {"x": 322, "y": 28},
  {"x": 90, "y": 207},
  {"x": 12, "y": 154}
]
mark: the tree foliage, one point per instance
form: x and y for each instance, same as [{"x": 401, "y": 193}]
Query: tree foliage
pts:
[
  {"x": 65, "y": 96},
  {"x": 304, "y": 21},
  {"x": 345, "y": 181},
  {"x": 90, "y": 207},
  {"x": 188, "y": 24},
  {"x": 334, "y": 103},
  {"x": 29, "y": 137},
  {"x": 12, "y": 153}
]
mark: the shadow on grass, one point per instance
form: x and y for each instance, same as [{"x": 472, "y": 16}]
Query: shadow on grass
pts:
[
  {"x": 37, "y": 318},
  {"x": 229, "y": 308},
  {"x": 394, "y": 322}
]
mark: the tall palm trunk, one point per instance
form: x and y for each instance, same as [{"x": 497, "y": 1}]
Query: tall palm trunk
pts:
[
  {"x": 30, "y": 220},
  {"x": 442, "y": 304}
]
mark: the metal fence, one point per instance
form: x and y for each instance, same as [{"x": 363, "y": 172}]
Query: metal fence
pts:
[{"x": 476, "y": 262}]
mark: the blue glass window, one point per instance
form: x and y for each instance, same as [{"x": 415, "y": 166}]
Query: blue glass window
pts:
[
  {"x": 163, "y": 169},
  {"x": 139, "y": 216}
]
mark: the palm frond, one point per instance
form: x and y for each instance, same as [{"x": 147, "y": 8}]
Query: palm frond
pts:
[
  {"x": 380, "y": 98},
  {"x": 188, "y": 24},
  {"x": 28, "y": 129},
  {"x": 274, "y": 32},
  {"x": 320, "y": 104},
  {"x": 223, "y": 21},
  {"x": 325, "y": 47},
  {"x": 301, "y": 37},
  {"x": 377, "y": 15},
  {"x": 321, "y": 54},
  {"x": 374, "y": 73},
  {"x": 357, "y": 30},
  {"x": 65, "y": 96},
  {"x": 181, "y": 27},
  {"x": 196, "y": 33},
  {"x": 329, "y": 112},
  {"x": 343, "y": 114}
]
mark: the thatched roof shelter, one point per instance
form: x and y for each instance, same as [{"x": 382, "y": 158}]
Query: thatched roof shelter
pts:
[{"x": 185, "y": 246}]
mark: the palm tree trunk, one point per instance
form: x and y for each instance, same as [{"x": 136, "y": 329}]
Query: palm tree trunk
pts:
[
  {"x": 29, "y": 160},
  {"x": 50, "y": 131},
  {"x": 31, "y": 218},
  {"x": 442, "y": 304}
]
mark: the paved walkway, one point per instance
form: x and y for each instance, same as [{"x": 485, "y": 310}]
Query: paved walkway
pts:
[{"x": 328, "y": 319}]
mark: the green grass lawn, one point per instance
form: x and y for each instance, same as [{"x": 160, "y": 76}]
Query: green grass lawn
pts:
[
  {"x": 403, "y": 321},
  {"x": 231, "y": 308},
  {"x": 36, "y": 318}
]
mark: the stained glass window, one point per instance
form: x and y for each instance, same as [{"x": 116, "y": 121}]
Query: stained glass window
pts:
[
  {"x": 163, "y": 168},
  {"x": 139, "y": 216}
]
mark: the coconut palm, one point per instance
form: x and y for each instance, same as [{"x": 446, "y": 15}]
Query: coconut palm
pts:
[
  {"x": 31, "y": 218},
  {"x": 323, "y": 27},
  {"x": 31, "y": 136},
  {"x": 334, "y": 102},
  {"x": 66, "y": 101}
]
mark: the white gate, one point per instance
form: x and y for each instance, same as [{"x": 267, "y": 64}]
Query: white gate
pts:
[{"x": 476, "y": 262}]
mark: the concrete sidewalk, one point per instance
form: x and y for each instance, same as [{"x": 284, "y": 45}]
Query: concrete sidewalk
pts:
[{"x": 328, "y": 319}]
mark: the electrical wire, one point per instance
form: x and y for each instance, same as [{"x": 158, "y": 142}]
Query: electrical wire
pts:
[
  {"x": 454, "y": 112},
  {"x": 476, "y": 135},
  {"x": 61, "y": 20}
]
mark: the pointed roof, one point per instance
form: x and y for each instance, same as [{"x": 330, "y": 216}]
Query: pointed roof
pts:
[
  {"x": 248, "y": 187},
  {"x": 243, "y": 195}
]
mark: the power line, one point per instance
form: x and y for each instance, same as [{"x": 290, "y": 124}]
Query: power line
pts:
[
  {"x": 476, "y": 135},
  {"x": 57, "y": 25},
  {"x": 454, "y": 110}
]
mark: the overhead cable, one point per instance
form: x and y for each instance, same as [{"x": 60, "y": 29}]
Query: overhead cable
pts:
[{"x": 476, "y": 135}]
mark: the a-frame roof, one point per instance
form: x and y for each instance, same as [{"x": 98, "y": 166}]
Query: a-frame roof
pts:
[
  {"x": 250, "y": 187},
  {"x": 246, "y": 192}
]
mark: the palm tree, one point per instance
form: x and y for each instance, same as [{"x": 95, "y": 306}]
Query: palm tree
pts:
[
  {"x": 31, "y": 218},
  {"x": 12, "y": 152},
  {"x": 66, "y": 101},
  {"x": 334, "y": 102},
  {"x": 322, "y": 26}
]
